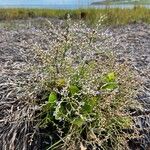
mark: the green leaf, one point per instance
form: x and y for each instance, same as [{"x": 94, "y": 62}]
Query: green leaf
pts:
[
  {"x": 110, "y": 86},
  {"x": 87, "y": 108},
  {"x": 78, "y": 121},
  {"x": 89, "y": 105},
  {"x": 73, "y": 89},
  {"x": 52, "y": 97},
  {"x": 110, "y": 77}
]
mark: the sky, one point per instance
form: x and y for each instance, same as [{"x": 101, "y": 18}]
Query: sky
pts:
[{"x": 44, "y": 2}]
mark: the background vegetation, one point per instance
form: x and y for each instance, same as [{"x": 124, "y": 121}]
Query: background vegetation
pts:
[{"x": 114, "y": 16}]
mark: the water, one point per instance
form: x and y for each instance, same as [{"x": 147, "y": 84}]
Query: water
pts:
[
  {"x": 118, "y": 6},
  {"x": 71, "y": 6}
]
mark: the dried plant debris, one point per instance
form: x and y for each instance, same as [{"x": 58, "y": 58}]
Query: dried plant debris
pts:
[{"x": 22, "y": 42}]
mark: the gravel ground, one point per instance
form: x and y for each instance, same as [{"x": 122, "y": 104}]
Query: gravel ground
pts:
[{"x": 131, "y": 42}]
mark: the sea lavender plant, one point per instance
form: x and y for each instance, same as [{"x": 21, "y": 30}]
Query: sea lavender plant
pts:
[{"x": 83, "y": 93}]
